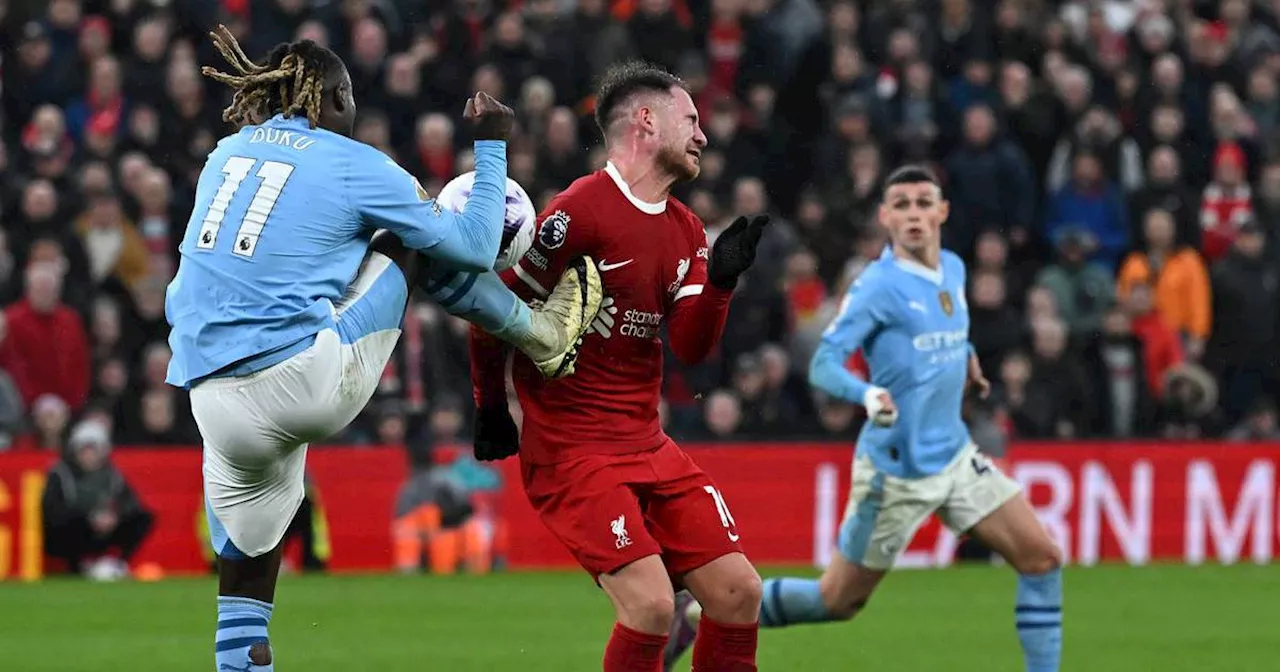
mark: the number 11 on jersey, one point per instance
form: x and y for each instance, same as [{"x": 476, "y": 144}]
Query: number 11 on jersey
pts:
[{"x": 273, "y": 175}]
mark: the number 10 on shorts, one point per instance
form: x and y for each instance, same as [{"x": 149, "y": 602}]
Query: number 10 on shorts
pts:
[{"x": 726, "y": 518}]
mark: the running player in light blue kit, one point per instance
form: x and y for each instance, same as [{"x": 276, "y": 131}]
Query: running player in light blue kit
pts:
[
  {"x": 288, "y": 300},
  {"x": 908, "y": 314}
]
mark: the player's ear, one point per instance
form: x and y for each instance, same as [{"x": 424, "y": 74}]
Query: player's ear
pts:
[
  {"x": 339, "y": 97},
  {"x": 647, "y": 119},
  {"x": 944, "y": 207}
]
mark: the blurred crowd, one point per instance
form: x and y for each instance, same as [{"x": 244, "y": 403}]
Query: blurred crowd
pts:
[{"x": 1111, "y": 167}]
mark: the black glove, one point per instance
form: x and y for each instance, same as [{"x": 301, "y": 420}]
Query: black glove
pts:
[
  {"x": 492, "y": 120},
  {"x": 734, "y": 250},
  {"x": 497, "y": 437}
]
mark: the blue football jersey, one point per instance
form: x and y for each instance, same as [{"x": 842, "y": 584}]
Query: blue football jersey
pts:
[
  {"x": 912, "y": 323},
  {"x": 283, "y": 218}
]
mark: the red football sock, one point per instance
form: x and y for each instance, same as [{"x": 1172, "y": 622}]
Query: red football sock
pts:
[
  {"x": 633, "y": 651},
  {"x": 724, "y": 647}
]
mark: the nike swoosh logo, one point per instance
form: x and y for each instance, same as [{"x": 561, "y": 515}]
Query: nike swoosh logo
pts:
[{"x": 604, "y": 266}]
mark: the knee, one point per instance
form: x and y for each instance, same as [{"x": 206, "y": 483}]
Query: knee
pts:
[
  {"x": 735, "y": 598},
  {"x": 650, "y": 613},
  {"x": 846, "y": 593},
  {"x": 1043, "y": 559}
]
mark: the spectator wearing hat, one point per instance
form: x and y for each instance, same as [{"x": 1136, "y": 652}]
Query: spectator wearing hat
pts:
[
  {"x": 1246, "y": 312},
  {"x": 89, "y": 509},
  {"x": 1082, "y": 289},
  {"x": 1227, "y": 202},
  {"x": 1178, "y": 276}
]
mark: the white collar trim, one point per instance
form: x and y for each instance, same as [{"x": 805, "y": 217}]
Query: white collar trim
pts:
[
  {"x": 916, "y": 268},
  {"x": 643, "y": 206}
]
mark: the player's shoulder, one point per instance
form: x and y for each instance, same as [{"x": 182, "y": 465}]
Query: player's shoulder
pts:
[
  {"x": 688, "y": 220},
  {"x": 584, "y": 191},
  {"x": 871, "y": 281},
  {"x": 952, "y": 264},
  {"x": 577, "y": 202},
  {"x": 366, "y": 157},
  {"x": 951, "y": 260},
  {"x": 683, "y": 213},
  {"x": 878, "y": 272}
]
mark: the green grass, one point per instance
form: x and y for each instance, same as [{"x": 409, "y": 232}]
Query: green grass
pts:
[{"x": 1119, "y": 619}]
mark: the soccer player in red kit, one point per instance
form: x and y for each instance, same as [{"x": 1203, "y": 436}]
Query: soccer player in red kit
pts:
[{"x": 631, "y": 506}]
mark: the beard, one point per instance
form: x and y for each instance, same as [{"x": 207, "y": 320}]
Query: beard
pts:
[{"x": 678, "y": 163}]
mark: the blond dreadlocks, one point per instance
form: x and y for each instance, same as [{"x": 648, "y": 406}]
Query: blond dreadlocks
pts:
[{"x": 291, "y": 82}]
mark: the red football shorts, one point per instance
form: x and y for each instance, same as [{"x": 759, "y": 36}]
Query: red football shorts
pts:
[{"x": 611, "y": 510}]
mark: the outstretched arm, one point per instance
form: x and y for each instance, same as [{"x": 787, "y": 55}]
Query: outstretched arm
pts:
[{"x": 384, "y": 196}]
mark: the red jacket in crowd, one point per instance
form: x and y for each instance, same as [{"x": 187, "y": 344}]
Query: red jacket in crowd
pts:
[{"x": 53, "y": 349}]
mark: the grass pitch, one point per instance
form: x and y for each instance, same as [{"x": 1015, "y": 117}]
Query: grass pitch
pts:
[{"x": 1120, "y": 619}]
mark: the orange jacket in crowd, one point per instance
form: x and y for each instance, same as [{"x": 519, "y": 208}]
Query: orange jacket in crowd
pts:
[{"x": 1181, "y": 289}]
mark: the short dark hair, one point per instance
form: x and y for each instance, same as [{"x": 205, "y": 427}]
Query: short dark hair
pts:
[
  {"x": 624, "y": 80},
  {"x": 911, "y": 174}
]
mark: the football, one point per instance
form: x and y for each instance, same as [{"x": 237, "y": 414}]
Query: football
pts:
[{"x": 517, "y": 225}]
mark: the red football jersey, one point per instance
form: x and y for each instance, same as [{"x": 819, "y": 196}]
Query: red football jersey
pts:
[{"x": 653, "y": 260}]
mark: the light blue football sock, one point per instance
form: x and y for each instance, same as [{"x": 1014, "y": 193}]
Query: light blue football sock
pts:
[
  {"x": 1038, "y": 613},
  {"x": 242, "y": 622},
  {"x": 482, "y": 299},
  {"x": 788, "y": 601}
]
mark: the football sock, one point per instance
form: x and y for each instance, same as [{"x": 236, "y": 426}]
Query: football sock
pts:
[
  {"x": 242, "y": 623},
  {"x": 724, "y": 647},
  {"x": 480, "y": 298},
  {"x": 1038, "y": 614},
  {"x": 633, "y": 651},
  {"x": 790, "y": 601}
]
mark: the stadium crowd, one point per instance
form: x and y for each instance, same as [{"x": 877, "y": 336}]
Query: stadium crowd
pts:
[{"x": 1111, "y": 167}]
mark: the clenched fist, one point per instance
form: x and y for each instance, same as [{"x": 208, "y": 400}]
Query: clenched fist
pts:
[{"x": 492, "y": 120}]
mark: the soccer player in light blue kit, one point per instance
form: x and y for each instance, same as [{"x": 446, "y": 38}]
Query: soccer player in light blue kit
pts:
[
  {"x": 288, "y": 300},
  {"x": 908, "y": 314}
]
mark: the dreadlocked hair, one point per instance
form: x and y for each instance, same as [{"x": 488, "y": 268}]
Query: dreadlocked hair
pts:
[{"x": 290, "y": 83}]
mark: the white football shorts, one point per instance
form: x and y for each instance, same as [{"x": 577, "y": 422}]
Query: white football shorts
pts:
[
  {"x": 256, "y": 427},
  {"x": 885, "y": 511}
]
